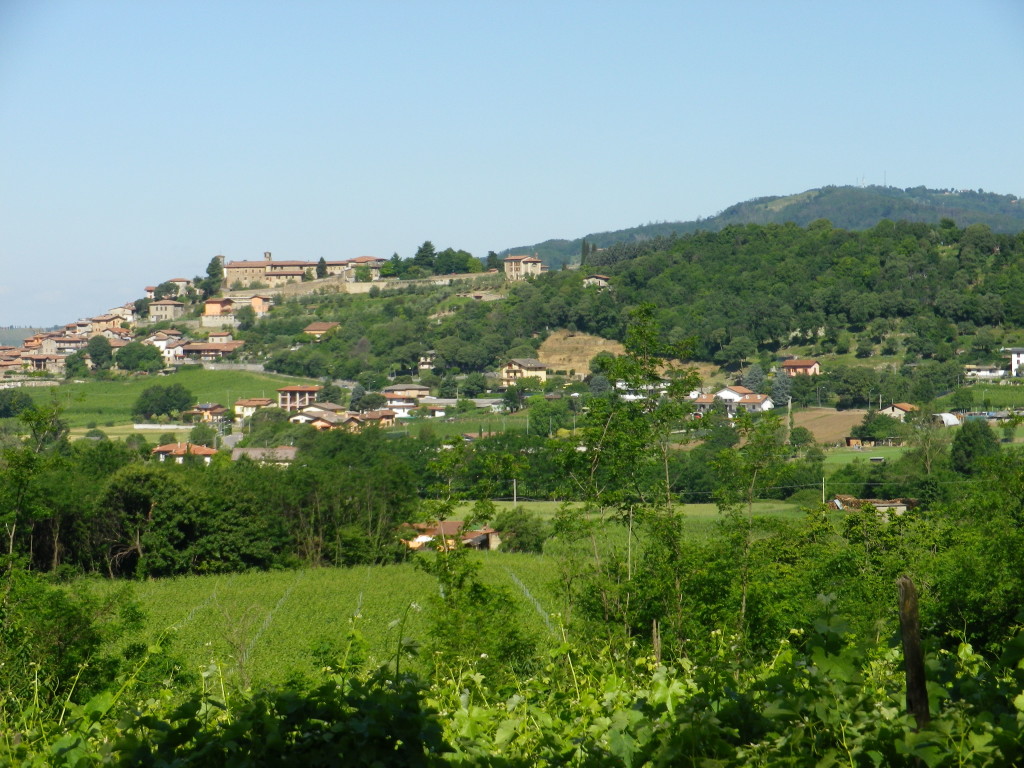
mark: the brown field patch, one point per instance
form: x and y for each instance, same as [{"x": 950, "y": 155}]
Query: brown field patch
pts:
[
  {"x": 827, "y": 425},
  {"x": 564, "y": 351}
]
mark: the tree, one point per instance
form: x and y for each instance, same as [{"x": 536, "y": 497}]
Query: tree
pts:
[
  {"x": 782, "y": 387},
  {"x": 203, "y": 434},
  {"x": 159, "y": 400},
  {"x": 137, "y": 356},
  {"x": 521, "y": 531},
  {"x": 962, "y": 399},
  {"x": 474, "y": 384},
  {"x": 424, "y": 258},
  {"x": 13, "y": 402},
  {"x": 46, "y": 425},
  {"x": 100, "y": 352},
  {"x": 166, "y": 290},
  {"x": 246, "y": 317},
  {"x": 371, "y": 401},
  {"x": 355, "y": 402},
  {"x": 211, "y": 284},
  {"x": 513, "y": 399},
  {"x": 753, "y": 377},
  {"x": 321, "y": 269},
  {"x": 974, "y": 442},
  {"x": 329, "y": 393}
]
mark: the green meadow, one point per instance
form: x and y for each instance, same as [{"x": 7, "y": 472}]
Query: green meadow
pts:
[
  {"x": 269, "y": 627},
  {"x": 109, "y": 403}
]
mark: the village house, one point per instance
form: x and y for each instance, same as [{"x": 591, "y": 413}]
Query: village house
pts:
[
  {"x": 246, "y": 407},
  {"x": 177, "y": 452},
  {"x": 206, "y": 413},
  {"x": 242, "y": 274},
  {"x": 170, "y": 345},
  {"x": 598, "y": 281},
  {"x": 181, "y": 283},
  {"x": 984, "y": 372},
  {"x": 319, "y": 329},
  {"x": 165, "y": 309},
  {"x": 736, "y": 398},
  {"x": 104, "y": 322},
  {"x": 281, "y": 277},
  {"x": 522, "y": 266},
  {"x": 447, "y": 534},
  {"x": 520, "y": 368},
  {"x": 798, "y": 367},
  {"x": 296, "y": 397},
  {"x": 426, "y": 361},
  {"x": 209, "y": 352},
  {"x": 282, "y": 455},
  {"x": 1016, "y": 355},
  {"x": 221, "y": 311},
  {"x": 847, "y": 503},
  {"x": 409, "y": 391},
  {"x": 372, "y": 263},
  {"x": 320, "y": 420},
  {"x": 898, "y": 411}
]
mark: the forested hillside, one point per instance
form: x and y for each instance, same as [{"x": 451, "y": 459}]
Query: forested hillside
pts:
[
  {"x": 899, "y": 292},
  {"x": 845, "y": 206}
]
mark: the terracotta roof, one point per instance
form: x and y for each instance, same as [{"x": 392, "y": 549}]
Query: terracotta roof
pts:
[
  {"x": 796, "y": 363},
  {"x": 184, "y": 449},
  {"x": 320, "y": 327},
  {"x": 740, "y": 390},
  {"x": 254, "y": 402},
  {"x": 905, "y": 407},
  {"x": 246, "y": 264},
  {"x": 299, "y": 388}
]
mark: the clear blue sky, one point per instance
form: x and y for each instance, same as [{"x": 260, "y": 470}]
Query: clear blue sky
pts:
[{"x": 140, "y": 138}]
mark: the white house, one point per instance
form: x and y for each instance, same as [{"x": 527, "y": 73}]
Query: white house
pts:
[{"x": 1016, "y": 355}]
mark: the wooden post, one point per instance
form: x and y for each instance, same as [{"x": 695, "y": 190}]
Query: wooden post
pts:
[{"x": 913, "y": 655}]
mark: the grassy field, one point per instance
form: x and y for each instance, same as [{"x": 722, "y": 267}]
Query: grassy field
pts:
[
  {"x": 991, "y": 396},
  {"x": 270, "y": 626},
  {"x": 840, "y": 456},
  {"x": 109, "y": 403}
]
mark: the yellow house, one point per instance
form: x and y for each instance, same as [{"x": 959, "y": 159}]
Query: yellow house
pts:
[{"x": 517, "y": 369}]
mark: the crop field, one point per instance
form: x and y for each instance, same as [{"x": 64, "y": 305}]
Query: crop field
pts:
[{"x": 108, "y": 403}]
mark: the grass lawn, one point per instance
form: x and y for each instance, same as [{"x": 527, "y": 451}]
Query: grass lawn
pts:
[
  {"x": 840, "y": 456},
  {"x": 109, "y": 403}
]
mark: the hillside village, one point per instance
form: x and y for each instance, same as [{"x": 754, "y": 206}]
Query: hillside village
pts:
[{"x": 194, "y": 321}]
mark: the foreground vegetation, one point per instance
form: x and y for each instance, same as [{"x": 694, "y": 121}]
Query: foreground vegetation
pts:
[{"x": 616, "y": 630}]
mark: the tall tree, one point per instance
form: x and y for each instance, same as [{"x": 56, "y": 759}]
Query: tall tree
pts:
[
  {"x": 425, "y": 256},
  {"x": 100, "y": 352},
  {"x": 973, "y": 442}
]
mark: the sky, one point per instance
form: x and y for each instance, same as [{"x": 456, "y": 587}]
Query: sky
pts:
[{"x": 138, "y": 139}]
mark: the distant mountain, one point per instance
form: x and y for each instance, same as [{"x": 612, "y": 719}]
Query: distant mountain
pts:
[{"x": 852, "y": 208}]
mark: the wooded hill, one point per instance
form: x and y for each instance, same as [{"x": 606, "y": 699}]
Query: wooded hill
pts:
[
  {"x": 846, "y": 207},
  {"x": 904, "y": 291}
]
